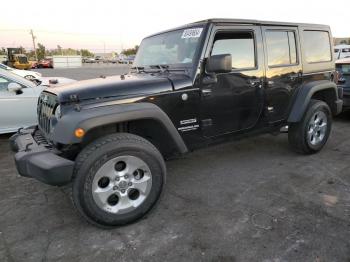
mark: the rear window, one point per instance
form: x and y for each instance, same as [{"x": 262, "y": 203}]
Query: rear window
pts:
[{"x": 317, "y": 46}]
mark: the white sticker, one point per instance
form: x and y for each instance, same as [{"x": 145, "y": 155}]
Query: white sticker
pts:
[
  {"x": 188, "y": 121},
  {"x": 192, "y": 33}
]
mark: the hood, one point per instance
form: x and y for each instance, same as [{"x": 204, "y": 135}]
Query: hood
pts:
[
  {"x": 113, "y": 86},
  {"x": 56, "y": 81}
]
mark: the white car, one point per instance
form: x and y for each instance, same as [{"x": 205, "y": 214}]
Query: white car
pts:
[
  {"x": 19, "y": 98},
  {"x": 30, "y": 75},
  {"x": 341, "y": 51}
]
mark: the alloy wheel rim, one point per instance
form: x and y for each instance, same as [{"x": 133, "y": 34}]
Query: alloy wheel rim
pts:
[
  {"x": 121, "y": 184},
  {"x": 317, "y": 128}
]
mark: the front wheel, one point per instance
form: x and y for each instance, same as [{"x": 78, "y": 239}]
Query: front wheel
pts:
[
  {"x": 118, "y": 179},
  {"x": 310, "y": 134}
]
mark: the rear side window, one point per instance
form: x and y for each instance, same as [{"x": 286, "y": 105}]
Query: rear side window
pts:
[
  {"x": 240, "y": 45},
  {"x": 345, "y": 50},
  {"x": 317, "y": 46},
  {"x": 281, "y": 48}
]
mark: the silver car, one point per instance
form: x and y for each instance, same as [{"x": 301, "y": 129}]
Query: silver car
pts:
[{"x": 19, "y": 98}]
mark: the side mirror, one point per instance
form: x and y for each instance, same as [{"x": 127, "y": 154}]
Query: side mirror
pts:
[
  {"x": 219, "y": 64},
  {"x": 14, "y": 87}
]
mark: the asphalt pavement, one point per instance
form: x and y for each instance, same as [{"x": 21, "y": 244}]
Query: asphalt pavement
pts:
[
  {"x": 246, "y": 200},
  {"x": 88, "y": 71}
]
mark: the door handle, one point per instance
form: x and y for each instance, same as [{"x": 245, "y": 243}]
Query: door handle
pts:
[
  {"x": 293, "y": 77},
  {"x": 206, "y": 92},
  {"x": 255, "y": 83}
]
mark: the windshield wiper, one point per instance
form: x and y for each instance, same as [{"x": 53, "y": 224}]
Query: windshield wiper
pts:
[
  {"x": 162, "y": 68},
  {"x": 139, "y": 69}
]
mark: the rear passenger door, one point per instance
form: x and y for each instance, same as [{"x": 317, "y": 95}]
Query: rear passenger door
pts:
[{"x": 283, "y": 69}]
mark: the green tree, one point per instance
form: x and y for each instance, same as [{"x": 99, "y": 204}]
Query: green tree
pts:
[
  {"x": 3, "y": 51},
  {"x": 41, "y": 51},
  {"x": 22, "y": 50},
  {"x": 86, "y": 53},
  {"x": 59, "y": 50},
  {"x": 130, "y": 51}
]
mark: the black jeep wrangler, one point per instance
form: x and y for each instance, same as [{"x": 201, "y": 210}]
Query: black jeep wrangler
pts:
[{"x": 189, "y": 87}]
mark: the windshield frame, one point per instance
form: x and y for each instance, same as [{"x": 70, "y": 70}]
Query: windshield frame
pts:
[{"x": 196, "y": 56}]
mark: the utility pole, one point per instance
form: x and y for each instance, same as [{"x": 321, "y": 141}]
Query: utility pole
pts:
[{"x": 33, "y": 38}]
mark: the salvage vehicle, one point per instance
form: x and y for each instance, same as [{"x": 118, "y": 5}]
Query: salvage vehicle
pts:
[
  {"x": 343, "y": 69},
  {"x": 30, "y": 75},
  {"x": 45, "y": 63},
  {"x": 189, "y": 87},
  {"x": 19, "y": 99},
  {"x": 17, "y": 60},
  {"x": 342, "y": 51}
]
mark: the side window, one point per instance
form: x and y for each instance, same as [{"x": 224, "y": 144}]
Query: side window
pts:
[
  {"x": 240, "y": 45},
  {"x": 345, "y": 50},
  {"x": 317, "y": 46},
  {"x": 281, "y": 48}
]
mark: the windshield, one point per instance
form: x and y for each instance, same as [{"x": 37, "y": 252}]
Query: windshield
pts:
[
  {"x": 2, "y": 66},
  {"x": 16, "y": 78},
  {"x": 171, "y": 48},
  {"x": 343, "y": 68}
]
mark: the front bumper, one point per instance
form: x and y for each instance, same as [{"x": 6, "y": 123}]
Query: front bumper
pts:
[{"x": 37, "y": 159}]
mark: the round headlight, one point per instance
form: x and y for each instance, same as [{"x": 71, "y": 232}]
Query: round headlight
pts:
[{"x": 58, "y": 112}]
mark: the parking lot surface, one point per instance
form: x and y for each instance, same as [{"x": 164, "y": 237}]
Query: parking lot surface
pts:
[
  {"x": 247, "y": 200},
  {"x": 87, "y": 71}
]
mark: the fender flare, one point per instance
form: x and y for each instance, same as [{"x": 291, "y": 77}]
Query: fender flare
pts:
[
  {"x": 303, "y": 97},
  {"x": 87, "y": 119}
]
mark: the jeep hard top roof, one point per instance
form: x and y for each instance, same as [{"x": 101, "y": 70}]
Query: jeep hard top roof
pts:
[
  {"x": 243, "y": 22},
  {"x": 254, "y": 22}
]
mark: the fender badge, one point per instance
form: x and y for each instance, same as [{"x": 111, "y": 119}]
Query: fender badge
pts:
[{"x": 184, "y": 97}]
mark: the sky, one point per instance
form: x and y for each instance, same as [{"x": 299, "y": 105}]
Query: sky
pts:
[{"x": 115, "y": 25}]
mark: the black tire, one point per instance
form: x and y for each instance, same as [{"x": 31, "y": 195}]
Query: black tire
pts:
[
  {"x": 93, "y": 156},
  {"x": 298, "y": 132}
]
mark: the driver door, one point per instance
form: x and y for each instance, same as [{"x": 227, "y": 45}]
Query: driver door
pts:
[
  {"x": 234, "y": 102},
  {"x": 16, "y": 109}
]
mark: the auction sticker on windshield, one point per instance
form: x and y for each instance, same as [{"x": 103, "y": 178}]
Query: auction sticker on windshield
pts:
[{"x": 192, "y": 33}]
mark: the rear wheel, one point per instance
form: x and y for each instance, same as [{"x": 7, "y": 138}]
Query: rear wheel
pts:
[
  {"x": 311, "y": 133},
  {"x": 118, "y": 179}
]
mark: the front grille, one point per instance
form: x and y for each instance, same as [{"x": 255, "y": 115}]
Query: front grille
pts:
[
  {"x": 46, "y": 105},
  {"x": 40, "y": 139}
]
